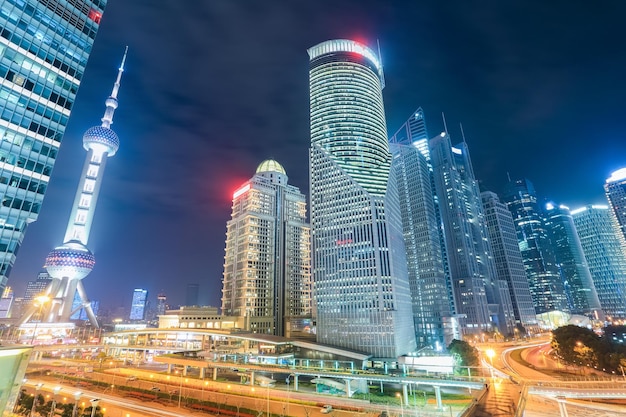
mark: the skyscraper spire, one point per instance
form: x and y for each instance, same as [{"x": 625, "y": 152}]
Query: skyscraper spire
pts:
[{"x": 111, "y": 102}]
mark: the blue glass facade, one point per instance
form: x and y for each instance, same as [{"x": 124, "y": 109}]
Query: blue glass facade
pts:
[{"x": 44, "y": 48}]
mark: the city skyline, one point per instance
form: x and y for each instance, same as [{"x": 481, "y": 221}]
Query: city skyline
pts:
[{"x": 492, "y": 96}]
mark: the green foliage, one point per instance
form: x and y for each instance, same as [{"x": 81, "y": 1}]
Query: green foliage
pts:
[
  {"x": 582, "y": 346},
  {"x": 464, "y": 353}
]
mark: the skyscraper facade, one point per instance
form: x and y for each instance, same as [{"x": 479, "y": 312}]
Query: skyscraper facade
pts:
[
  {"x": 191, "y": 296},
  {"x": 508, "y": 259},
  {"x": 69, "y": 263},
  {"x": 44, "y": 47},
  {"x": 161, "y": 304},
  {"x": 570, "y": 258},
  {"x": 6, "y": 303},
  {"x": 267, "y": 263},
  {"x": 615, "y": 188},
  {"x": 139, "y": 304},
  {"x": 605, "y": 250},
  {"x": 546, "y": 286},
  {"x": 412, "y": 172},
  {"x": 362, "y": 291},
  {"x": 37, "y": 287},
  {"x": 476, "y": 290}
]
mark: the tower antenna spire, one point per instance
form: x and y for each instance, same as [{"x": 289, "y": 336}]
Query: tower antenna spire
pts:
[
  {"x": 462, "y": 133},
  {"x": 111, "y": 102},
  {"x": 445, "y": 125},
  {"x": 380, "y": 59}
]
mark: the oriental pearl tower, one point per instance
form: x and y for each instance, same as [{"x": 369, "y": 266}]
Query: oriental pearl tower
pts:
[{"x": 69, "y": 263}]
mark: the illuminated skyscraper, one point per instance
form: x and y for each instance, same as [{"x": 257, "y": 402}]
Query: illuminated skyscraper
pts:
[
  {"x": 69, "y": 263},
  {"x": 267, "y": 263},
  {"x": 37, "y": 287},
  {"x": 43, "y": 54},
  {"x": 6, "y": 302},
  {"x": 508, "y": 259},
  {"x": 362, "y": 290},
  {"x": 605, "y": 251},
  {"x": 138, "y": 304},
  {"x": 615, "y": 188},
  {"x": 412, "y": 171},
  {"x": 546, "y": 286},
  {"x": 570, "y": 258},
  {"x": 161, "y": 304}
]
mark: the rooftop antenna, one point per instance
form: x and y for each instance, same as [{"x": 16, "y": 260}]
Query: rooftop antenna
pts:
[
  {"x": 462, "y": 133},
  {"x": 445, "y": 125},
  {"x": 380, "y": 60},
  {"x": 508, "y": 176}
]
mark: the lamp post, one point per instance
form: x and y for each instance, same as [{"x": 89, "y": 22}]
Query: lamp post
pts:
[
  {"x": 490, "y": 354},
  {"x": 401, "y": 403},
  {"x": 94, "y": 403},
  {"x": 54, "y": 401},
  {"x": 37, "y": 388},
  {"x": 42, "y": 299},
  {"x": 77, "y": 395}
]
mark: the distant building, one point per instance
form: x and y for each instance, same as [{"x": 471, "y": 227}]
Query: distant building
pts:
[
  {"x": 37, "y": 287},
  {"x": 6, "y": 302},
  {"x": 43, "y": 55},
  {"x": 412, "y": 172},
  {"x": 161, "y": 304},
  {"x": 546, "y": 286},
  {"x": 615, "y": 188},
  {"x": 570, "y": 258},
  {"x": 138, "y": 305},
  {"x": 267, "y": 266},
  {"x": 194, "y": 317},
  {"x": 508, "y": 259},
  {"x": 605, "y": 250},
  {"x": 362, "y": 291},
  {"x": 191, "y": 297}
]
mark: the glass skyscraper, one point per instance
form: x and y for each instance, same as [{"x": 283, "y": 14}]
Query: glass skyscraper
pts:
[
  {"x": 361, "y": 288},
  {"x": 546, "y": 286},
  {"x": 44, "y": 47},
  {"x": 615, "y": 188},
  {"x": 605, "y": 251},
  {"x": 267, "y": 263},
  {"x": 571, "y": 261},
  {"x": 412, "y": 172},
  {"x": 138, "y": 306}
]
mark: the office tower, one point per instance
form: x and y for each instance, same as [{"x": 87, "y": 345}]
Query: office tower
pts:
[
  {"x": 267, "y": 273},
  {"x": 191, "y": 297},
  {"x": 412, "y": 173},
  {"x": 546, "y": 286},
  {"x": 362, "y": 291},
  {"x": 37, "y": 287},
  {"x": 138, "y": 305},
  {"x": 6, "y": 302},
  {"x": 605, "y": 250},
  {"x": 161, "y": 304},
  {"x": 69, "y": 263},
  {"x": 569, "y": 256},
  {"x": 615, "y": 188},
  {"x": 42, "y": 59},
  {"x": 508, "y": 259},
  {"x": 476, "y": 290}
]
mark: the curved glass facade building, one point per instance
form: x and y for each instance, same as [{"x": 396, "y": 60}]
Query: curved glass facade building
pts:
[{"x": 361, "y": 287}]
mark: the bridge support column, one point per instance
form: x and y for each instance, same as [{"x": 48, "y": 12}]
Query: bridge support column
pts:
[
  {"x": 184, "y": 370},
  {"x": 169, "y": 368},
  {"x": 405, "y": 394},
  {"x": 252, "y": 378},
  {"x": 347, "y": 383},
  {"x": 202, "y": 371},
  {"x": 214, "y": 374},
  {"x": 562, "y": 409},
  {"x": 295, "y": 382},
  {"x": 438, "y": 397}
]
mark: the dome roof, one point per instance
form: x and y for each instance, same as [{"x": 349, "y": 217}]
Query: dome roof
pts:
[
  {"x": 72, "y": 260},
  {"x": 102, "y": 136},
  {"x": 269, "y": 165}
]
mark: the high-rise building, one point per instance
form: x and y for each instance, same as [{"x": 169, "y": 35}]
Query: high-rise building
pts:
[
  {"x": 476, "y": 290},
  {"x": 570, "y": 259},
  {"x": 191, "y": 297},
  {"x": 362, "y": 291},
  {"x": 69, "y": 263},
  {"x": 546, "y": 286},
  {"x": 605, "y": 250},
  {"x": 37, "y": 287},
  {"x": 508, "y": 259},
  {"x": 615, "y": 188},
  {"x": 161, "y": 304},
  {"x": 43, "y": 54},
  {"x": 6, "y": 302},
  {"x": 138, "y": 304},
  {"x": 267, "y": 263},
  {"x": 412, "y": 173}
]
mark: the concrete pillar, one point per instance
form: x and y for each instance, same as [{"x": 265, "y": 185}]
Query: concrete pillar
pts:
[
  {"x": 295, "y": 382},
  {"x": 252, "y": 378},
  {"x": 562, "y": 409},
  {"x": 438, "y": 397},
  {"x": 214, "y": 374},
  {"x": 184, "y": 370},
  {"x": 405, "y": 394},
  {"x": 202, "y": 370},
  {"x": 348, "y": 393},
  {"x": 169, "y": 368}
]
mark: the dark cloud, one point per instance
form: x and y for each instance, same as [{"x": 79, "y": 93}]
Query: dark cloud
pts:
[{"x": 214, "y": 87}]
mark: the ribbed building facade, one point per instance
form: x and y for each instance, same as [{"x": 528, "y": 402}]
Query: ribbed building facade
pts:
[
  {"x": 546, "y": 286},
  {"x": 508, "y": 259},
  {"x": 605, "y": 250},
  {"x": 615, "y": 188},
  {"x": 412, "y": 173},
  {"x": 44, "y": 47},
  {"x": 570, "y": 258},
  {"x": 267, "y": 263},
  {"x": 361, "y": 288}
]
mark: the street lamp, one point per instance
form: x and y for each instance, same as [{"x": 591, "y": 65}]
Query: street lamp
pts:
[
  {"x": 37, "y": 388},
  {"x": 94, "y": 403},
  {"x": 490, "y": 354},
  {"x": 53, "y": 409},
  {"x": 77, "y": 395},
  {"x": 401, "y": 403},
  {"x": 42, "y": 299}
]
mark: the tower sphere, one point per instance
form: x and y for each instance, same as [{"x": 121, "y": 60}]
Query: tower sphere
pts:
[
  {"x": 270, "y": 165},
  {"x": 72, "y": 260},
  {"x": 100, "y": 136}
]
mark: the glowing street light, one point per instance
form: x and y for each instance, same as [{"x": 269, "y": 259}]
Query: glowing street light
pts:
[
  {"x": 37, "y": 388},
  {"x": 42, "y": 299},
  {"x": 401, "y": 403}
]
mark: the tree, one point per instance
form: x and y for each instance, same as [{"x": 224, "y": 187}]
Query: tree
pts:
[{"x": 463, "y": 353}]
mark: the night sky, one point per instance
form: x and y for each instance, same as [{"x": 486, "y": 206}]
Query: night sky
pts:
[{"x": 214, "y": 87}]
